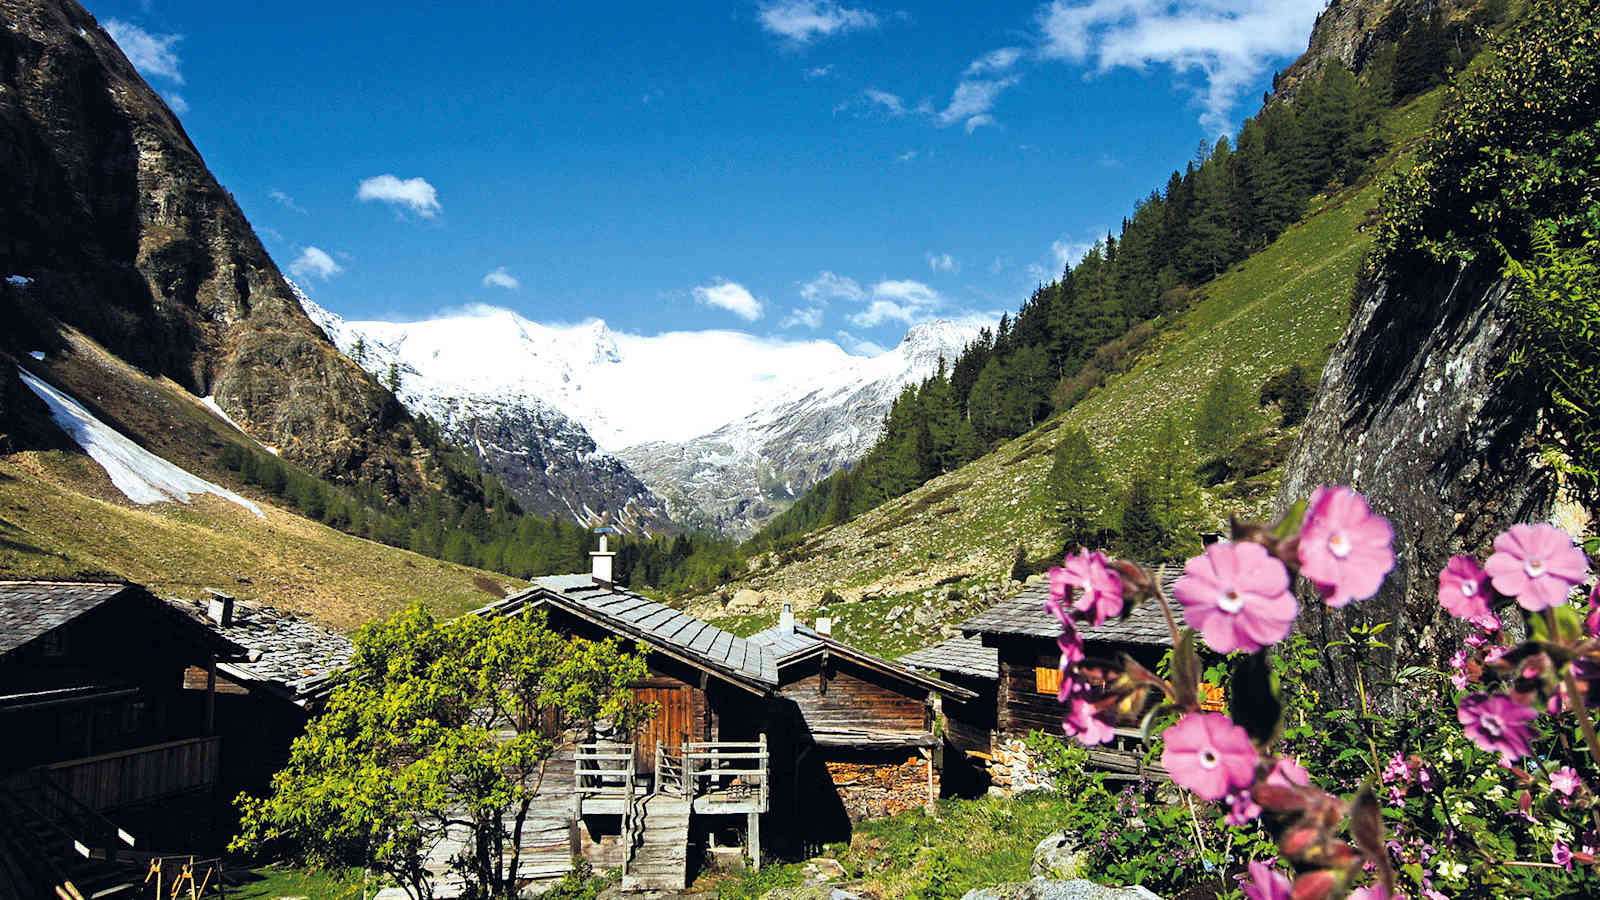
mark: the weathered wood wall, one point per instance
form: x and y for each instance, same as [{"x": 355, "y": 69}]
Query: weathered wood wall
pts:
[
  {"x": 844, "y": 698},
  {"x": 969, "y": 724}
]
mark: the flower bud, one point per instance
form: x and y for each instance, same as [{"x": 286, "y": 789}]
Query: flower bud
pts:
[{"x": 1317, "y": 885}]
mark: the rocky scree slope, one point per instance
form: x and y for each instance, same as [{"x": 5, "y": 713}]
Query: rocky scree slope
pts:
[
  {"x": 112, "y": 225},
  {"x": 546, "y": 459},
  {"x": 737, "y": 478}
]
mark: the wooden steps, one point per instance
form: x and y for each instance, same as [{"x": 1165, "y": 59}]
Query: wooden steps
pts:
[{"x": 660, "y": 862}]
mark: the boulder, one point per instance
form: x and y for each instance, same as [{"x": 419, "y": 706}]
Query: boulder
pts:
[
  {"x": 1047, "y": 889},
  {"x": 1059, "y": 856},
  {"x": 745, "y": 600}
]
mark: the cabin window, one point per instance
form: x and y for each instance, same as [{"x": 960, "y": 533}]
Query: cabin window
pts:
[{"x": 1047, "y": 679}]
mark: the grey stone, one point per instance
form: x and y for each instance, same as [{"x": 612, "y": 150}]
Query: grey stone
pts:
[
  {"x": 1047, "y": 889},
  {"x": 1059, "y": 856}
]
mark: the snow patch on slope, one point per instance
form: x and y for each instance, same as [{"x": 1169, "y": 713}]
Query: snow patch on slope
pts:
[{"x": 139, "y": 474}]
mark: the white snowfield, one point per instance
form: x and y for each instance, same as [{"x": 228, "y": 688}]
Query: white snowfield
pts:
[{"x": 139, "y": 474}]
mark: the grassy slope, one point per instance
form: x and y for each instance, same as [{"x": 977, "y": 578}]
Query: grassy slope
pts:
[
  {"x": 1285, "y": 304},
  {"x": 60, "y": 517}
]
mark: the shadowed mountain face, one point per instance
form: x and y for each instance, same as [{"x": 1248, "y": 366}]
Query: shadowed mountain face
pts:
[{"x": 110, "y": 223}]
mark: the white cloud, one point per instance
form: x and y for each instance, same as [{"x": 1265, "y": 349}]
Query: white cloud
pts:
[
  {"x": 285, "y": 201},
  {"x": 809, "y": 316},
  {"x": 979, "y": 121},
  {"x": 995, "y": 61},
  {"x": 1069, "y": 251},
  {"x": 972, "y": 99},
  {"x": 819, "y": 72},
  {"x": 314, "y": 263},
  {"x": 414, "y": 193},
  {"x": 731, "y": 296},
  {"x": 150, "y": 53},
  {"x": 828, "y": 286},
  {"x": 859, "y": 346},
  {"x": 900, "y": 300},
  {"x": 176, "y": 103},
  {"x": 943, "y": 262},
  {"x": 907, "y": 156},
  {"x": 500, "y": 278},
  {"x": 891, "y": 103},
  {"x": 802, "y": 21},
  {"x": 1228, "y": 43}
]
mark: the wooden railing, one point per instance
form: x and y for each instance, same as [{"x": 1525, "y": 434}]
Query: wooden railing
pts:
[
  {"x": 606, "y": 771},
  {"x": 730, "y": 769},
  {"x": 131, "y": 776}
]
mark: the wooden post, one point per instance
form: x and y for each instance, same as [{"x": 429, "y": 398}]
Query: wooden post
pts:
[
  {"x": 211, "y": 695},
  {"x": 754, "y": 839},
  {"x": 927, "y": 754}
]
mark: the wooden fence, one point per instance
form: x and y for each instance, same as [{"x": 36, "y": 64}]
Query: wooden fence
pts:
[{"x": 133, "y": 776}]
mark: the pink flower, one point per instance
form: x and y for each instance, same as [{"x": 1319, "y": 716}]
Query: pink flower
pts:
[
  {"x": 1071, "y": 644},
  {"x": 1242, "y": 808},
  {"x": 1497, "y": 723},
  {"x": 1099, "y": 588},
  {"x": 1592, "y": 623},
  {"x": 1565, "y": 781},
  {"x": 1458, "y": 680},
  {"x": 1464, "y": 588},
  {"x": 1286, "y": 772},
  {"x": 1397, "y": 769},
  {"x": 1373, "y": 892},
  {"x": 1073, "y": 684},
  {"x": 1209, "y": 755},
  {"x": 1537, "y": 564},
  {"x": 1266, "y": 883},
  {"x": 1084, "y": 723},
  {"x": 1237, "y": 596},
  {"x": 1344, "y": 549},
  {"x": 1561, "y": 855}
]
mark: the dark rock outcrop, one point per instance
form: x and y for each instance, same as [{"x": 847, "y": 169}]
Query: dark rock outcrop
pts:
[
  {"x": 1415, "y": 411},
  {"x": 111, "y": 216}
]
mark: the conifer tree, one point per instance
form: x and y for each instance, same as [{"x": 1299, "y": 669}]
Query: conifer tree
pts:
[
  {"x": 1224, "y": 415},
  {"x": 1076, "y": 488}
]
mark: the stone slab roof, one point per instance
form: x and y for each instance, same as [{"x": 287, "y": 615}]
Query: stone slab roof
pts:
[
  {"x": 1024, "y": 614},
  {"x": 655, "y": 624},
  {"x": 285, "y": 651},
  {"x": 958, "y": 656},
  {"x": 31, "y": 609},
  {"x": 805, "y": 641}
]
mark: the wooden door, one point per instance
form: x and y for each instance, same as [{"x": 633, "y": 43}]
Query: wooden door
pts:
[{"x": 673, "y": 722}]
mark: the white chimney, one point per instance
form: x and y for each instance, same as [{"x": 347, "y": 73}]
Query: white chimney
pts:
[
  {"x": 601, "y": 558},
  {"x": 824, "y": 625},
  {"x": 220, "y": 608},
  {"x": 786, "y": 619}
]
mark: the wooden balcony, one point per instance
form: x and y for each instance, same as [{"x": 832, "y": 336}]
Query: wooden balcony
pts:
[{"x": 133, "y": 776}]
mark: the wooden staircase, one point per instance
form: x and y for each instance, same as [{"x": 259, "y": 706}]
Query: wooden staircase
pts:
[
  {"x": 51, "y": 845},
  {"x": 660, "y": 860}
]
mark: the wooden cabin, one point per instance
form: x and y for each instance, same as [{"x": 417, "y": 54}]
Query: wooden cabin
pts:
[
  {"x": 108, "y": 753},
  {"x": 697, "y": 775},
  {"x": 860, "y": 741},
  {"x": 1017, "y": 692}
]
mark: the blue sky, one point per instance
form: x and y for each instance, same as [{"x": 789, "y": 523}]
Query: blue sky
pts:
[{"x": 789, "y": 168}]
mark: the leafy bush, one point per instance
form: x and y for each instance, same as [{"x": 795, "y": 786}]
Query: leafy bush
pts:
[{"x": 1292, "y": 389}]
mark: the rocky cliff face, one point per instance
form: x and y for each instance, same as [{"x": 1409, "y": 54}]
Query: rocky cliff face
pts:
[
  {"x": 1413, "y": 411},
  {"x": 111, "y": 224},
  {"x": 1353, "y": 31}
]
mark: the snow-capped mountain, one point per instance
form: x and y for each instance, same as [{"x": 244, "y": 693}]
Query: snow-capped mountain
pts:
[
  {"x": 545, "y": 458},
  {"x": 739, "y": 476},
  {"x": 726, "y": 428}
]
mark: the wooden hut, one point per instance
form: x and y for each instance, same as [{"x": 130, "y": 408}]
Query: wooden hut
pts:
[
  {"x": 108, "y": 750},
  {"x": 861, "y": 741}
]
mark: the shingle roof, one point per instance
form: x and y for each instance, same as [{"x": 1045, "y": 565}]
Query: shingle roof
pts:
[
  {"x": 286, "y": 651},
  {"x": 656, "y": 624},
  {"x": 1025, "y": 614},
  {"x": 31, "y": 609},
  {"x": 959, "y": 655},
  {"x": 803, "y": 641}
]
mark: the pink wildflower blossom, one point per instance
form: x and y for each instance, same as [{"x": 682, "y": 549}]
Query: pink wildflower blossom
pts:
[
  {"x": 1286, "y": 772},
  {"x": 1099, "y": 588},
  {"x": 1592, "y": 623},
  {"x": 1084, "y": 723},
  {"x": 1497, "y": 723},
  {"x": 1266, "y": 883},
  {"x": 1209, "y": 755},
  {"x": 1561, "y": 855},
  {"x": 1073, "y": 684},
  {"x": 1537, "y": 564},
  {"x": 1242, "y": 808},
  {"x": 1345, "y": 550},
  {"x": 1071, "y": 644},
  {"x": 1565, "y": 781},
  {"x": 1464, "y": 588},
  {"x": 1396, "y": 770},
  {"x": 1489, "y": 622},
  {"x": 1237, "y": 596},
  {"x": 1373, "y": 892}
]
